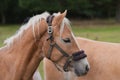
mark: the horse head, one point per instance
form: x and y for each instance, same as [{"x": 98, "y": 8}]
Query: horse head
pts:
[{"x": 60, "y": 46}]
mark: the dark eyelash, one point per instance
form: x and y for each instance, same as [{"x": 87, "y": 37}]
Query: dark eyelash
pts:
[{"x": 67, "y": 40}]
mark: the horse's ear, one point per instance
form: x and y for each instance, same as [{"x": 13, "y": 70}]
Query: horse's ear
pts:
[{"x": 58, "y": 19}]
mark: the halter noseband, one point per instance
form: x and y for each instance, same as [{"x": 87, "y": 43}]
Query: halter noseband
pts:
[{"x": 75, "y": 56}]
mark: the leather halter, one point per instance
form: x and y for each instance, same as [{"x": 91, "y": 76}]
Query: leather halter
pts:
[{"x": 75, "y": 56}]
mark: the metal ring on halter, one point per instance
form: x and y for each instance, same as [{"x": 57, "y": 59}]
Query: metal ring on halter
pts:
[{"x": 50, "y": 30}]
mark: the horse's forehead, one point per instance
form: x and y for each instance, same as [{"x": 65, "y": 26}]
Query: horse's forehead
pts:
[{"x": 67, "y": 29}]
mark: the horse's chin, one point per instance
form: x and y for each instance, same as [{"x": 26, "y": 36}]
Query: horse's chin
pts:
[
  {"x": 80, "y": 74},
  {"x": 81, "y": 67},
  {"x": 77, "y": 73}
]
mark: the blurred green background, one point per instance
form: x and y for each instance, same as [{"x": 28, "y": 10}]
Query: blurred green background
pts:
[{"x": 15, "y": 11}]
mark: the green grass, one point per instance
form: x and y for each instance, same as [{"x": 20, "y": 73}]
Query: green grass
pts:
[
  {"x": 109, "y": 33},
  {"x": 6, "y": 31}
]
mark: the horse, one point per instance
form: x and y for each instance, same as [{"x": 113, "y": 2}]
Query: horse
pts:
[
  {"x": 102, "y": 56},
  {"x": 44, "y": 35}
]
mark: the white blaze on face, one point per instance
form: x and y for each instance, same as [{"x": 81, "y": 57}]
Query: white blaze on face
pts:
[{"x": 81, "y": 66}]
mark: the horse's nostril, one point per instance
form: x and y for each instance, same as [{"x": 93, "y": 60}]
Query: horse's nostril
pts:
[{"x": 87, "y": 68}]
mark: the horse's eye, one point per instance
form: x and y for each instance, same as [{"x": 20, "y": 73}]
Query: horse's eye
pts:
[{"x": 67, "y": 40}]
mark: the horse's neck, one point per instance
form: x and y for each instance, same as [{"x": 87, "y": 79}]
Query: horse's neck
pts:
[
  {"x": 27, "y": 56},
  {"x": 30, "y": 56}
]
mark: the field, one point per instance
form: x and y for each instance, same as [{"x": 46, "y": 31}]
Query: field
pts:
[{"x": 109, "y": 33}]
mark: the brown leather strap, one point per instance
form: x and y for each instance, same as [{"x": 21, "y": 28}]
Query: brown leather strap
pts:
[{"x": 49, "y": 20}]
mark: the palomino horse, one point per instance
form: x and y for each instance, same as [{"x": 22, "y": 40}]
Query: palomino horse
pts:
[
  {"x": 104, "y": 59},
  {"x": 37, "y": 39}
]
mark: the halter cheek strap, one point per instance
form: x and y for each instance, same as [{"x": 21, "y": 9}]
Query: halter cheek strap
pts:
[
  {"x": 53, "y": 44},
  {"x": 57, "y": 47}
]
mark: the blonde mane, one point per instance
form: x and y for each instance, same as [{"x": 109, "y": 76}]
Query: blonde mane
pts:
[{"x": 33, "y": 20}]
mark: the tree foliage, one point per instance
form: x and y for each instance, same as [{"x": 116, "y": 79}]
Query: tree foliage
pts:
[
  {"x": 89, "y": 8},
  {"x": 82, "y": 8},
  {"x": 3, "y": 8}
]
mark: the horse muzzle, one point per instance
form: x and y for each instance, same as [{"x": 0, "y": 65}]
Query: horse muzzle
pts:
[{"x": 74, "y": 58}]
